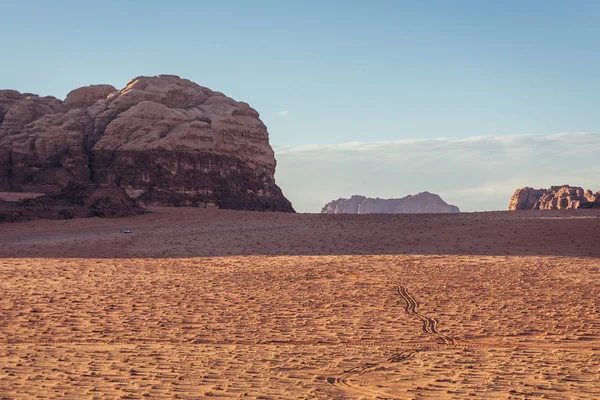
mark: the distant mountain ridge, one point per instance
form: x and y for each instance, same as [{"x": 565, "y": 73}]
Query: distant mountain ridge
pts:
[{"x": 424, "y": 202}]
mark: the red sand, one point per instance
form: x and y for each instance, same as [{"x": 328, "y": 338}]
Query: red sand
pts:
[{"x": 197, "y": 303}]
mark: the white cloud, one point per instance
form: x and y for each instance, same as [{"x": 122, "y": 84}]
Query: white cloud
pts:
[
  {"x": 283, "y": 113},
  {"x": 475, "y": 173}
]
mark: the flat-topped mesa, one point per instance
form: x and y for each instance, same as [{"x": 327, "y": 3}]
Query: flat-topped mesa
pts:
[
  {"x": 163, "y": 139},
  {"x": 555, "y": 198},
  {"x": 424, "y": 202}
]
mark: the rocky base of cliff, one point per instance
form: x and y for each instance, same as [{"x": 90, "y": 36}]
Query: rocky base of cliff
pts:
[{"x": 74, "y": 201}]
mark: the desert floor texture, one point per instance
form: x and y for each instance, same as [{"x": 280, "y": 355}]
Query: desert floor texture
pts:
[{"x": 198, "y": 303}]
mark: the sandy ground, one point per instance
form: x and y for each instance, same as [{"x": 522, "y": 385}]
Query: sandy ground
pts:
[{"x": 198, "y": 303}]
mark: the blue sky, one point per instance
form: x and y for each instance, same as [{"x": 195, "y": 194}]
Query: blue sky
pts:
[{"x": 331, "y": 72}]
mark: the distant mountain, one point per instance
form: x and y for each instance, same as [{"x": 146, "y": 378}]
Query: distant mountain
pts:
[
  {"x": 412, "y": 204},
  {"x": 555, "y": 198}
]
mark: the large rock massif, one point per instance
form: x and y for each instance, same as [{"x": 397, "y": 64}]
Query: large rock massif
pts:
[
  {"x": 555, "y": 198},
  {"x": 412, "y": 204},
  {"x": 163, "y": 139}
]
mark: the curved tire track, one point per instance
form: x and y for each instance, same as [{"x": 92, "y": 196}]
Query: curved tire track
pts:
[
  {"x": 344, "y": 382},
  {"x": 430, "y": 325}
]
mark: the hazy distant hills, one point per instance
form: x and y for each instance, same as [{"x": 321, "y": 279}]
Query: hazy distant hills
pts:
[{"x": 424, "y": 202}]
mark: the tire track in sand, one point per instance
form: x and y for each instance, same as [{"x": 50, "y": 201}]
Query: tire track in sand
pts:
[
  {"x": 430, "y": 325},
  {"x": 344, "y": 382}
]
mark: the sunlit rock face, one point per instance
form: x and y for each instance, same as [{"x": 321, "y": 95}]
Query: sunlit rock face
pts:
[
  {"x": 555, "y": 198},
  {"x": 163, "y": 139},
  {"x": 412, "y": 204}
]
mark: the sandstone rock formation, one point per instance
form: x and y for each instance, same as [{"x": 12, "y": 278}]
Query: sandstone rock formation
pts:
[
  {"x": 163, "y": 139},
  {"x": 412, "y": 204},
  {"x": 555, "y": 198},
  {"x": 74, "y": 201}
]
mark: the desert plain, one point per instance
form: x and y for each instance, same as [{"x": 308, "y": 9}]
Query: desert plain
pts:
[{"x": 202, "y": 303}]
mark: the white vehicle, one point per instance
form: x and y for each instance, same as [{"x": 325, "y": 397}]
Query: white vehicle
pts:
[{"x": 127, "y": 230}]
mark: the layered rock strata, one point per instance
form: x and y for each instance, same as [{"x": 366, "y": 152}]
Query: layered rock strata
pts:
[
  {"x": 163, "y": 139},
  {"x": 555, "y": 198}
]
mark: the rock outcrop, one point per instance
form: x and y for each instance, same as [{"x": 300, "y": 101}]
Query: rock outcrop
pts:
[
  {"x": 163, "y": 139},
  {"x": 74, "y": 201},
  {"x": 555, "y": 198},
  {"x": 412, "y": 204}
]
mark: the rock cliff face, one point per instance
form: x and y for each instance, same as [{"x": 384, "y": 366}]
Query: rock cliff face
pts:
[
  {"x": 555, "y": 198},
  {"x": 412, "y": 204},
  {"x": 163, "y": 139}
]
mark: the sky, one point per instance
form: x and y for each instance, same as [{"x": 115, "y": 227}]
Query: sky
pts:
[{"x": 416, "y": 95}]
